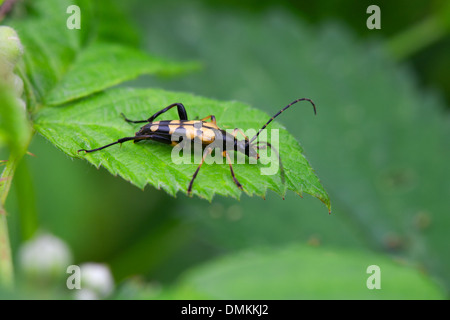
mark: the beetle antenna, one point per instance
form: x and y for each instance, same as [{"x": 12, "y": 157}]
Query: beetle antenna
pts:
[
  {"x": 279, "y": 112},
  {"x": 276, "y": 152}
]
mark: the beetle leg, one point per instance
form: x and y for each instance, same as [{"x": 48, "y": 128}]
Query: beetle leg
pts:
[
  {"x": 212, "y": 117},
  {"x": 232, "y": 172},
  {"x": 236, "y": 130},
  {"x": 135, "y": 138},
  {"x": 206, "y": 152},
  {"x": 181, "y": 113},
  {"x": 132, "y": 121}
]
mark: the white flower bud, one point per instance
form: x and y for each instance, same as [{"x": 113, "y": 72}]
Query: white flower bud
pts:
[
  {"x": 86, "y": 294},
  {"x": 11, "y": 49},
  {"x": 44, "y": 257},
  {"x": 22, "y": 103},
  {"x": 96, "y": 281}
]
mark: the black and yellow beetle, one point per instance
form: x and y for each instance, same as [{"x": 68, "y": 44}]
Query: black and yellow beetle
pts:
[{"x": 200, "y": 131}]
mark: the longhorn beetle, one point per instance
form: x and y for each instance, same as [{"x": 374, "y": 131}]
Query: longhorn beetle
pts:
[{"x": 200, "y": 131}]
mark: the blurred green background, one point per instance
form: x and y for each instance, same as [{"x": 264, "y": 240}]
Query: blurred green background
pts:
[{"x": 379, "y": 144}]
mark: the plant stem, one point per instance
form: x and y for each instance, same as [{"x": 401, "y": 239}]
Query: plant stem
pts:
[
  {"x": 6, "y": 177},
  {"x": 418, "y": 37},
  {"x": 6, "y": 265},
  {"x": 26, "y": 199},
  {"x": 6, "y": 262}
]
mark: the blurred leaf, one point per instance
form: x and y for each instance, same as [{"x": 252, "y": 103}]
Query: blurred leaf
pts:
[
  {"x": 114, "y": 24},
  {"x": 102, "y": 65},
  {"x": 162, "y": 237},
  {"x": 300, "y": 272},
  {"x": 95, "y": 122}
]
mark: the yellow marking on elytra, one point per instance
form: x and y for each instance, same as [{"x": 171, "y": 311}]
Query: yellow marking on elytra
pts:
[
  {"x": 172, "y": 128},
  {"x": 192, "y": 127},
  {"x": 208, "y": 135},
  {"x": 190, "y": 132}
]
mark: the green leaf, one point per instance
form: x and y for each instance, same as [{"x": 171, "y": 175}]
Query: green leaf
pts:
[
  {"x": 300, "y": 272},
  {"x": 49, "y": 50},
  {"x": 102, "y": 65},
  {"x": 95, "y": 122}
]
